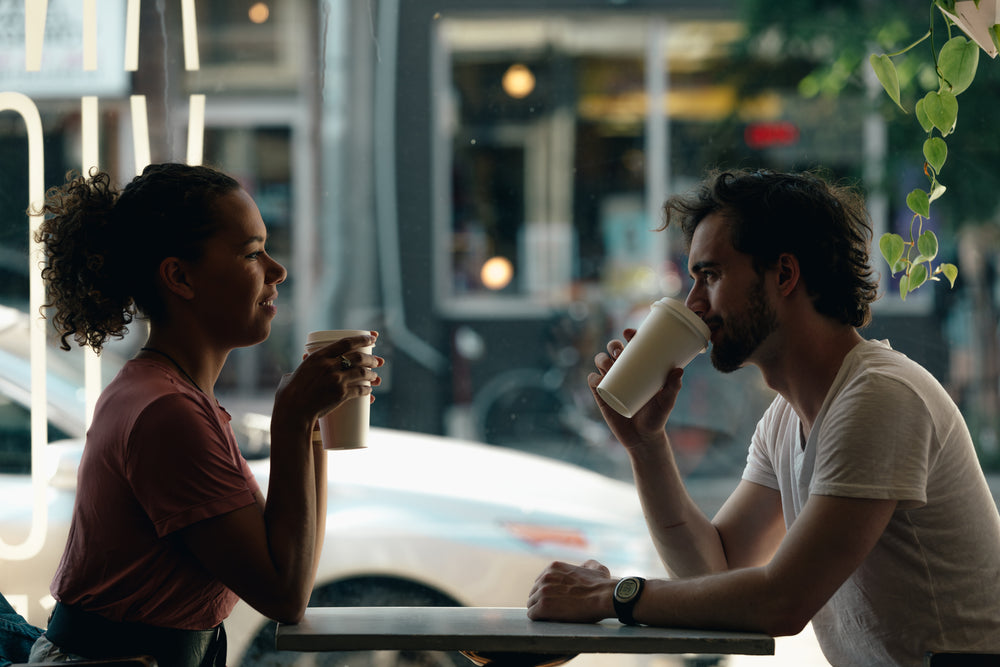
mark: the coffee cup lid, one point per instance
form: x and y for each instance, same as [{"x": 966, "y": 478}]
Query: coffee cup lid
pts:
[
  {"x": 330, "y": 335},
  {"x": 687, "y": 316}
]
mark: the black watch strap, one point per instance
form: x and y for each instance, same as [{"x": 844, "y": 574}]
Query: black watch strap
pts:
[{"x": 626, "y": 594}]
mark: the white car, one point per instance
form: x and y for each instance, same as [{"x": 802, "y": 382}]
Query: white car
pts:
[{"x": 412, "y": 520}]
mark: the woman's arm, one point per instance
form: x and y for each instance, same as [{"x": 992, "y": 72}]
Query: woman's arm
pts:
[
  {"x": 268, "y": 555},
  {"x": 320, "y": 460}
]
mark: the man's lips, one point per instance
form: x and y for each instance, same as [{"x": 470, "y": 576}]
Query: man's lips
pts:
[{"x": 714, "y": 325}]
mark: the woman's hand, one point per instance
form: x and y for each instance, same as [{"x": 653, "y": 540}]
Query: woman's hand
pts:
[
  {"x": 327, "y": 377},
  {"x": 648, "y": 423}
]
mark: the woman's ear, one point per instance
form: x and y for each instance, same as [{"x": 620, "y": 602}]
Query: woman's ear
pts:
[{"x": 175, "y": 278}]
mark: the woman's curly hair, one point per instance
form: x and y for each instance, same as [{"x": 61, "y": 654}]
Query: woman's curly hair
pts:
[
  {"x": 103, "y": 247},
  {"x": 825, "y": 226}
]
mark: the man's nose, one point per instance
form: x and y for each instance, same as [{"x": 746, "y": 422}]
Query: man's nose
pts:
[{"x": 695, "y": 301}]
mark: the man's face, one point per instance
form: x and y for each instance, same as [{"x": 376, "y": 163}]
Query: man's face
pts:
[{"x": 728, "y": 295}]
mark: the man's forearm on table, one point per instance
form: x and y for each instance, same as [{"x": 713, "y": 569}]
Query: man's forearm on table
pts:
[{"x": 747, "y": 600}]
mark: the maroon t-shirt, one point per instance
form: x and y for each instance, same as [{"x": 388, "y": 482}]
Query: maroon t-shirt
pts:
[{"x": 160, "y": 456}]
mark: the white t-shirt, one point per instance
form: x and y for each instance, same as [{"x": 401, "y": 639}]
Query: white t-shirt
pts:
[{"x": 888, "y": 430}]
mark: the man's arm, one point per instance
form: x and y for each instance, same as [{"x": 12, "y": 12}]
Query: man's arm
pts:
[
  {"x": 828, "y": 541},
  {"x": 746, "y": 531}
]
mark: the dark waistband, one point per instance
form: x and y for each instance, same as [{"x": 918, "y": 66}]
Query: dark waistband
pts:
[{"x": 91, "y": 635}]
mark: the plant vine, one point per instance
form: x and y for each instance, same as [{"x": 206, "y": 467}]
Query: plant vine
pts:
[{"x": 955, "y": 63}]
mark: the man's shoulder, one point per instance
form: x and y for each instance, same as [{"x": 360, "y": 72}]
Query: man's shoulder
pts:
[
  {"x": 887, "y": 379},
  {"x": 877, "y": 359}
]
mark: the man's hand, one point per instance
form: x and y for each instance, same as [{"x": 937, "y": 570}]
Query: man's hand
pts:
[
  {"x": 648, "y": 423},
  {"x": 572, "y": 593}
]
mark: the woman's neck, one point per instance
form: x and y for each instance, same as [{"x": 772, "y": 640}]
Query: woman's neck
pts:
[{"x": 197, "y": 367}]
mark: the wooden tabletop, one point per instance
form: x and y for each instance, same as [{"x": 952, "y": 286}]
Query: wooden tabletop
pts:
[{"x": 496, "y": 629}]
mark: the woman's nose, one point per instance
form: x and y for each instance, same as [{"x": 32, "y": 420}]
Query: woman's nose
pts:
[{"x": 276, "y": 273}]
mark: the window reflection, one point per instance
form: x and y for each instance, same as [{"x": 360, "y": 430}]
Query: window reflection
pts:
[
  {"x": 494, "y": 223},
  {"x": 548, "y": 142},
  {"x": 562, "y": 183}
]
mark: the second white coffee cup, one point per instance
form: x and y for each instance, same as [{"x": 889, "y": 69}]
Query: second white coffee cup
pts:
[
  {"x": 346, "y": 426},
  {"x": 670, "y": 337}
]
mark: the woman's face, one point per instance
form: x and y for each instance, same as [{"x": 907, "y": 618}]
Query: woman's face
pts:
[{"x": 235, "y": 281}]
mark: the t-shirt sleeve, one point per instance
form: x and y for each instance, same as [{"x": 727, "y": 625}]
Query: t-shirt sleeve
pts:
[
  {"x": 184, "y": 465},
  {"x": 875, "y": 443}
]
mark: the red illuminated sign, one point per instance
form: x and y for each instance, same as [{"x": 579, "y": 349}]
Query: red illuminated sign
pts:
[{"x": 771, "y": 135}]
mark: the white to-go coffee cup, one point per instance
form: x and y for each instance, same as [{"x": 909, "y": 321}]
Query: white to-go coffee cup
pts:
[
  {"x": 346, "y": 426},
  {"x": 670, "y": 337}
]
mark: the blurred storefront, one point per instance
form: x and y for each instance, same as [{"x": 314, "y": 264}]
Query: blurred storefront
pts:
[{"x": 476, "y": 179}]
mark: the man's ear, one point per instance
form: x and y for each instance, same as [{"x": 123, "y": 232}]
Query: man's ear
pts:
[
  {"x": 175, "y": 279},
  {"x": 788, "y": 273}
]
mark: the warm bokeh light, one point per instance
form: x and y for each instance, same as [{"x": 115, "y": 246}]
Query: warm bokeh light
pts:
[
  {"x": 259, "y": 12},
  {"x": 496, "y": 273},
  {"x": 518, "y": 81}
]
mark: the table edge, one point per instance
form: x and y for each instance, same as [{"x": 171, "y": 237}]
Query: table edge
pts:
[{"x": 710, "y": 641}]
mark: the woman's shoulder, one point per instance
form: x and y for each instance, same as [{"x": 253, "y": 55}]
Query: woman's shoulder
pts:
[
  {"x": 148, "y": 374},
  {"x": 141, "y": 383}
]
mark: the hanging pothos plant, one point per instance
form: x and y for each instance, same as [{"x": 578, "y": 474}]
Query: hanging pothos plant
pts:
[{"x": 937, "y": 112}]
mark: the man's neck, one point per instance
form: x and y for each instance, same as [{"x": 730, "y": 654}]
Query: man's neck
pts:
[{"x": 805, "y": 364}]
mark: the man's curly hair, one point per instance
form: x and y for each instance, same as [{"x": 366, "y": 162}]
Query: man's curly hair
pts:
[
  {"x": 825, "y": 226},
  {"x": 103, "y": 247}
]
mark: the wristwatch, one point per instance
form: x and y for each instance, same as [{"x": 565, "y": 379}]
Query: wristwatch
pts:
[{"x": 627, "y": 593}]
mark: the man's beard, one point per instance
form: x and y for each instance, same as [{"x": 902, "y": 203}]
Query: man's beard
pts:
[{"x": 743, "y": 333}]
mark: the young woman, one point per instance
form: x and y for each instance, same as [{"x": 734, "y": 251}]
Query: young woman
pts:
[{"x": 169, "y": 526}]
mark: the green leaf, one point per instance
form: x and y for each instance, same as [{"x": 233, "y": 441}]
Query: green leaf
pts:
[
  {"x": 904, "y": 284},
  {"x": 922, "y": 118},
  {"x": 942, "y": 110},
  {"x": 918, "y": 276},
  {"x": 891, "y": 246},
  {"x": 927, "y": 245},
  {"x": 950, "y": 272},
  {"x": 957, "y": 63},
  {"x": 886, "y": 73},
  {"x": 900, "y": 266},
  {"x": 935, "y": 152},
  {"x": 995, "y": 35},
  {"x": 919, "y": 203},
  {"x": 936, "y": 190}
]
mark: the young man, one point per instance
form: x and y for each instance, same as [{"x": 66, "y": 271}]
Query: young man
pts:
[{"x": 862, "y": 506}]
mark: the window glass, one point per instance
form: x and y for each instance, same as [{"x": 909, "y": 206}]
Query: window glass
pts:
[{"x": 482, "y": 184}]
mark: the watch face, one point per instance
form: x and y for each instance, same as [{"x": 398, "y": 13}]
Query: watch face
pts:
[{"x": 626, "y": 588}]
